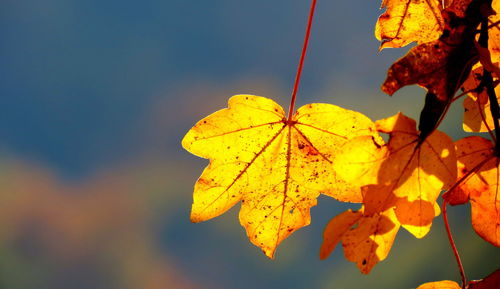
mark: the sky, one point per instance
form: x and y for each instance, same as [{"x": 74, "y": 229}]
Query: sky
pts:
[{"x": 95, "y": 98}]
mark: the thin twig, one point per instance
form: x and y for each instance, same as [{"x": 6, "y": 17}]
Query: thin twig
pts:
[
  {"x": 453, "y": 245},
  {"x": 301, "y": 61}
]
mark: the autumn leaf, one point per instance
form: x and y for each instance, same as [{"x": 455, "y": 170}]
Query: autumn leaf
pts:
[
  {"x": 479, "y": 170},
  {"x": 438, "y": 66},
  {"x": 335, "y": 229},
  {"x": 406, "y": 21},
  {"x": 274, "y": 166},
  {"x": 446, "y": 284},
  {"x": 359, "y": 159},
  {"x": 491, "y": 281},
  {"x": 487, "y": 47},
  {"x": 477, "y": 114},
  {"x": 399, "y": 181},
  {"x": 442, "y": 65},
  {"x": 367, "y": 236},
  {"x": 371, "y": 241},
  {"x": 418, "y": 170},
  {"x": 494, "y": 32},
  {"x": 415, "y": 169}
]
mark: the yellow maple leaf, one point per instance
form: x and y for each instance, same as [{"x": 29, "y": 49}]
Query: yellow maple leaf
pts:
[
  {"x": 406, "y": 21},
  {"x": 275, "y": 166},
  {"x": 367, "y": 235},
  {"x": 335, "y": 229},
  {"x": 445, "y": 284},
  {"x": 399, "y": 181},
  {"x": 416, "y": 170},
  {"x": 370, "y": 241}
]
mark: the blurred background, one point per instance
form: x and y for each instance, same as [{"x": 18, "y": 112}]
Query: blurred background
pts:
[{"x": 95, "y": 96}]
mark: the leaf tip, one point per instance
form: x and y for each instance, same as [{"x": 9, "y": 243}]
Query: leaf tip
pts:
[
  {"x": 386, "y": 43},
  {"x": 185, "y": 142},
  {"x": 390, "y": 85},
  {"x": 269, "y": 253},
  {"x": 195, "y": 218},
  {"x": 324, "y": 252}
]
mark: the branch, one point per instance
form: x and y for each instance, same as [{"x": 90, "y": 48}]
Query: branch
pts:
[
  {"x": 490, "y": 88},
  {"x": 453, "y": 246}
]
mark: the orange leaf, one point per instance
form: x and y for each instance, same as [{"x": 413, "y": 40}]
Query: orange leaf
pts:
[
  {"x": 480, "y": 169},
  {"x": 440, "y": 285},
  {"x": 477, "y": 114},
  {"x": 274, "y": 166},
  {"x": 494, "y": 33},
  {"x": 416, "y": 216},
  {"x": 371, "y": 240},
  {"x": 417, "y": 171},
  {"x": 400, "y": 182},
  {"x": 413, "y": 170},
  {"x": 377, "y": 198},
  {"x": 441, "y": 65},
  {"x": 485, "y": 58},
  {"x": 437, "y": 66},
  {"x": 335, "y": 229},
  {"x": 488, "y": 56},
  {"x": 406, "y": 21}
]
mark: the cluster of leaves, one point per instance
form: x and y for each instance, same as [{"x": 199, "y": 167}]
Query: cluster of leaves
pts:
[
  {"x": 277, "y": 166},
  {"x": 401, "y": 180}
]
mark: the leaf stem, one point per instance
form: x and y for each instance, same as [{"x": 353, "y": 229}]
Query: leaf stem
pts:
[
  {"x": 493, "y": 24},
  {"x": 302, "y": 57},
  {"x": 453, "y": 246},
  {"x": 494, "y": 107}
]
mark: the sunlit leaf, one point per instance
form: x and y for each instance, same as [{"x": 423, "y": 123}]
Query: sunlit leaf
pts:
[
  {"x": 442, "y": 65},
  {"x": 370, "y": 241},
  {"x": 479, "y": 169},
  {"x": 477, "y": 114},
  {"x": 400, "y": 182},
  {"x": 335, "y": 229},
  {"x": 494, "y": 32},
  {"x": 406, "y": 21},
  {"x": 416, "y": 171},
  {"x": 359, "y": 160},
  {"x": 276, "y": 168},
  {"x": 446, "y": 284}
]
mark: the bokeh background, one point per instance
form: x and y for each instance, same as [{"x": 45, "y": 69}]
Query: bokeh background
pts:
[{"x": 95, "y": 96}]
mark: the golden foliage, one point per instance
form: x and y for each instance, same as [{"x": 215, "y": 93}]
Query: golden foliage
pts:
[
  {"x": 335, "y": 229},
  {"x": 477, "y": 114},
  {"x": 440, "y": 285},
  {"x": 278, "y": 166},
  {"x": 407, "y": 21},
  {"x": 415, "y": 170},
  {"x": 494, "y": 33},
  {"x": 274, "y": 166},
  {"x": 400, "y": 182},
  {"x": 370, "y": 241},
  {"x": 478, "y": 170}
]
